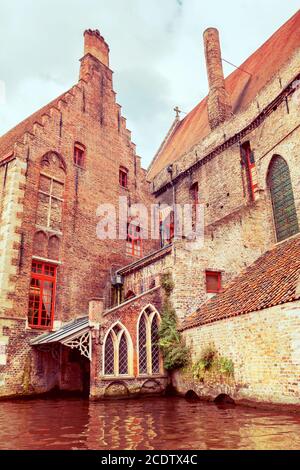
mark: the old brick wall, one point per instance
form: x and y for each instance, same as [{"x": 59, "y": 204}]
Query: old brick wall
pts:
[
  {"x": 90, "y": 115},
  {"x": 264, "y": 347},
  {"x": 237, "y": 229}
]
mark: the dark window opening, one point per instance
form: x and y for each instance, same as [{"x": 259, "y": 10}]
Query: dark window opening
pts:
[
  {"x": 248, "y": 160},
  {"x": 194, "y": 190},
  {"x": 123, "y": 177},
  {"x": 79, "y": 154}
]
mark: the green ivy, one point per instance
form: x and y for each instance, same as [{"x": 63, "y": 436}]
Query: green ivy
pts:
[
  {"x": 167, "y": 283},
  {"x": 175, "y": 354}
]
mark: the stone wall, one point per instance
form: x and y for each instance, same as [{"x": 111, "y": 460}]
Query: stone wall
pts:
[{"x": 265, "y": 349}]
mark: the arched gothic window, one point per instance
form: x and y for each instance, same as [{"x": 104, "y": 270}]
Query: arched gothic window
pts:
[
  {"x": 118, "y": 352},
  {"x": 148, "y": 348},
  {"x": 281, "y": 191}
]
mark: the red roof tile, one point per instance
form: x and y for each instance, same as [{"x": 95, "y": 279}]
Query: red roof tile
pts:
[
  {"x": 271, "y": 280},
  {"x": 242, "y": 89}
]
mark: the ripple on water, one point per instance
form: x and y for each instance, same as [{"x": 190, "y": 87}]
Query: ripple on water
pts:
[{"x": 153, "y": 423}]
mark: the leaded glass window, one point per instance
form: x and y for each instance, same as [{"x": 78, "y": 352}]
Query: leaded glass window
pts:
[
  {"x": 109, "y": 356},
  {"x": 149, "y": 354},
  {"x": 123, "y": 355},
  {"x": 142, "y": 346},
  {"x": 154, "y": 346},
  {"x": 284, "y": 210},
  {"x": 117, "y": 349}
]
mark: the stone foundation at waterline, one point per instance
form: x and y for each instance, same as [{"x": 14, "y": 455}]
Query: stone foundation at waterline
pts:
[{"x": 265, "y": 349}]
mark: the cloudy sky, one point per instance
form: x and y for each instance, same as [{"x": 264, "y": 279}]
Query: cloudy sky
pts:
[{"x": 156, "y": 53}]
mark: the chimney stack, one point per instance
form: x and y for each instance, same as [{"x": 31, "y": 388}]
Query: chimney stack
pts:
[
  {"x": 95, "y": 45},
  {"x": 218, "y": 105}
]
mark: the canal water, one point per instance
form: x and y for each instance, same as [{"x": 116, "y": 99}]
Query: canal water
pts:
[{"x": 153, "y": 423}]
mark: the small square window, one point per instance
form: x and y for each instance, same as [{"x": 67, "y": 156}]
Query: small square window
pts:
[
  {"x": 79, "y": 154},
  {"x": 213, "y": 282},
  {"x": 123, "y": 177}
]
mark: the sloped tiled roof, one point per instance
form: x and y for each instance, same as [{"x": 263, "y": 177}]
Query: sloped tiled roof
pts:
[
  {"x": 241, "y": 87},
  {"x": 270, "y": 281}
]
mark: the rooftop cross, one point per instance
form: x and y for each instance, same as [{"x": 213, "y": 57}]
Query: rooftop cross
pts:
[{"x": 177, "y": 111}]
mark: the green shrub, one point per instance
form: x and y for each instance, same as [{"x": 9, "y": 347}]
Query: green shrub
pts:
[
  {"x": 167, "y": 283},
  {"x": 210, "y": 362},
  {"x": 175, "y": 354}
]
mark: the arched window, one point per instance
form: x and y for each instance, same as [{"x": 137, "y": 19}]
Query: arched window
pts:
[
  {"x": 281, "y": 191},
  {"x": 118, "y": 352},
  {"x": 148, "y": 348}
]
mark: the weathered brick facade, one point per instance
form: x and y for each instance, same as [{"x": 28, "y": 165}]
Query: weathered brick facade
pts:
[
  {"x": 227, "y": 145},
  {"x": 44, "y": 143}
]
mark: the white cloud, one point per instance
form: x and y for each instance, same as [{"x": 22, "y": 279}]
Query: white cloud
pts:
[{"x": 156, "y": 52}]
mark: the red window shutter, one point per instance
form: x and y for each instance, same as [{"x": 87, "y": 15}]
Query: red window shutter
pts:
[{"x": 213, "y": 282}]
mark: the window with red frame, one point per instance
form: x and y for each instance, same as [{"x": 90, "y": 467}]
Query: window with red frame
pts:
[
  {"x": 123, "y": 177},
  {"x": 42, "y": 295},
  {"x": 79, "y": 154},
  {"x": 134, "y": 241},
  {"x": 213, "y": 282}
]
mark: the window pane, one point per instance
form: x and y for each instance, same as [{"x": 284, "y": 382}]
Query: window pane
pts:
[
  {"x": 154, "y": 346},
  {"x": 109, "y": 356},
  {"x": 123, "y": 355},
  {"x": 284, "y": 210},
  {"x": 142, "y": 346}
]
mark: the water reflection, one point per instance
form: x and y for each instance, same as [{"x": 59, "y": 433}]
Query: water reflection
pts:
[{"x": 158, "y": 423}]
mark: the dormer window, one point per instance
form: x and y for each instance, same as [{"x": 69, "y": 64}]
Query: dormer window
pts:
[
  {"x": 123, "y": 177},
  {"x": 79, "y": 154}
]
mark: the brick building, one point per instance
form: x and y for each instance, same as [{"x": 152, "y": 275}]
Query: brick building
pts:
[
  {"x": 56, "y": 168},
  {"x": 236, "y": 156}
]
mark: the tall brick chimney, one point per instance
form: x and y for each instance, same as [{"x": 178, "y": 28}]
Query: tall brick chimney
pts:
[
  {"x": 95, "y": 45},
  {"x": 95, "y": 50},
  {"x": 218, "y": 106}
]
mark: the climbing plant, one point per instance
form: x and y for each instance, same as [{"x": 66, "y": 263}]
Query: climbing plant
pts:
[
  {"x": 211, "y": 363},
  {"x": 175, "y": 354}
]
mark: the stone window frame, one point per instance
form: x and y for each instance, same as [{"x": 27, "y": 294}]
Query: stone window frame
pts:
[
  {"x": 51, "y": 196},
  {"x": 149, "y": 320},
  {"x": 116, "y": 338}
]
